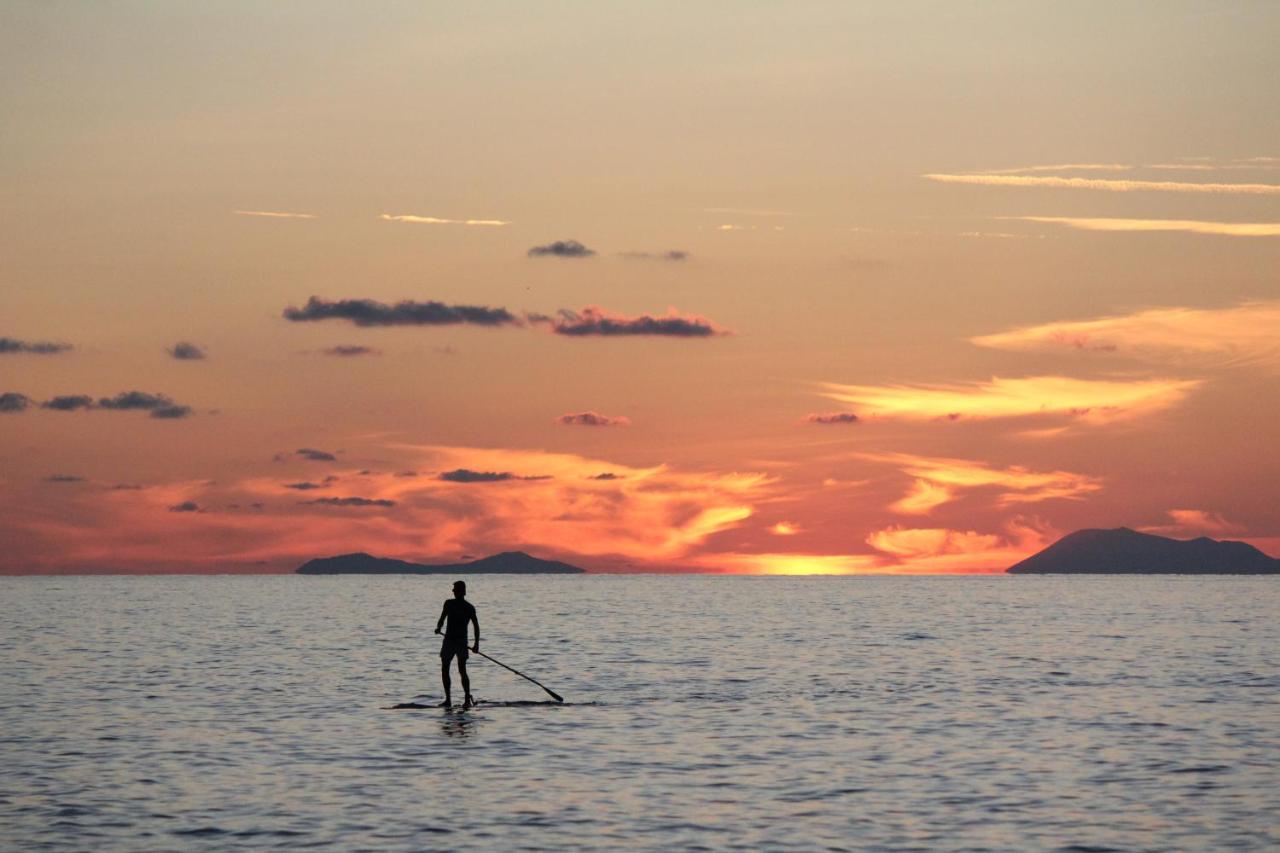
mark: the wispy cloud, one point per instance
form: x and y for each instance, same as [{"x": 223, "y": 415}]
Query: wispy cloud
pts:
[
  {"x": 592, "y": 419},
  {"x": 1061, "y": 167},
  {"x": 1194, "y": 522},
  {"x": 1119, "y": 185},
  {"x": 1093, "y": 401},
  {"x": 561, "y": 249},
  {"x": 10, "y": 346},
  {"x": 367, "y": 312},
  {"x": 275, "y": 214},
  {"x": 940, "y": 549},
  {"x": 350, "y": 350},
  {"x": 434, "y": 220},
  {"x": 669, "y": 255},
  {"x": 184, "y": 351},
  {"x": 1193, "y": 226},
  {"x": 829, "y": 418},
  {"x": 939, "y": 480},
  {"x": 594, "y": 320},
  {"x": 1240, "y": 335}
]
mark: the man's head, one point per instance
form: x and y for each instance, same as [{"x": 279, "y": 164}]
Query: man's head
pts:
[{"x": 459, "y": 589}]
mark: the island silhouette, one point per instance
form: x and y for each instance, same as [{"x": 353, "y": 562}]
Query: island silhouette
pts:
[
  {"x": 506, "y": 563},
  {"x": 1125, "y": 551}
]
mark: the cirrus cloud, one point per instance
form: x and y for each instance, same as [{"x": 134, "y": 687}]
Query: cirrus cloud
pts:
[{"x": 1119, "y": 185}]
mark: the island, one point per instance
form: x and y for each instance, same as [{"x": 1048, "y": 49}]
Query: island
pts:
[
  {"x": 1125, "y": 551},
  {"x": 506, "y": 563}
]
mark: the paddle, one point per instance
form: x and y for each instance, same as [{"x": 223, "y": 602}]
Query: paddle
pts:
[{"x": 554, "y": 695}]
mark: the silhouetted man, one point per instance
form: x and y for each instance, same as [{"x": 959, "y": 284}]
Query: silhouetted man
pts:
[{"x": 459, "y": 612}]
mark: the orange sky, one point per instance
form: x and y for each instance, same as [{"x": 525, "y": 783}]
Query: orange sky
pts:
[{"x": 899, "y": 287}]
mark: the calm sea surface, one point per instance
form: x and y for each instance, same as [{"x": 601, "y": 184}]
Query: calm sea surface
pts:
[{"x": 1081, "y": 713}]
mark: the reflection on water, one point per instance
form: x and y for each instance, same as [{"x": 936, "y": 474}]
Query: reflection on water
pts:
[{"x": 889, "y": 713}]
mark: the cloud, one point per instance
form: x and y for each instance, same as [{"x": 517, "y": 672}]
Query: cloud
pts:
[
  {"x": 1229, "y": 229},
  {"x": 656, "y": 517},
  {"x": 350, "y": 502},
  {"x": 12, "y": 401},
  {"x": 923, "y": 498},
  {"x": 592, "y": 419},
  {"x": 831, "y": 418},
  {"x": 1089, "y": 401},
  {"x": 939, "y": 480},
  {"x": 349, "y": 350},
  {"x": 432, "y": 220},
  {"x": 305, "y": 486},
  {"x": 169, "y": 413},
  {"x": 64, "y": 478},
  {"x": 9, "y": 346},
  {"x": 1106, "y": 184},
  {"x": 1063, "y": 167},
  {"x": 185, "y": 506},
  {"x": 68, "y": 402},
  {"x": 274, "y": 214},
  {"x": 1244, "y": 334},
  {"x": 940, "y": 549},
  {"x": 315, "y": 455},
  {"x": 785, "y": 528},
  {"x": 669, "y": 255},
  {"x": 594, "y": 320},
  {"x": 159, "y": 405},
  {"x": 1194, "y": 522},
  {"x": 466, "y": 475},
  {"x": 561, "y": 249},
  {"x": 607, "y": 475},
  {"x": 184, "y": 351},
  {"x": 366, "y": 312}
]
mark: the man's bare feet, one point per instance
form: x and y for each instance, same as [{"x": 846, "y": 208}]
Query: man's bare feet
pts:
[
  {"x": 445, "y": 704},
  {"x": 468, "y": 702}
]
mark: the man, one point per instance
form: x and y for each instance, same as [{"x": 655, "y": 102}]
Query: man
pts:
[{"x": 459, "y": 612}]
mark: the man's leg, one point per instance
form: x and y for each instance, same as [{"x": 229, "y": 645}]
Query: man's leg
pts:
[
  {"x": 444, "y": 676},
  {"x": 466, "y": 682}
]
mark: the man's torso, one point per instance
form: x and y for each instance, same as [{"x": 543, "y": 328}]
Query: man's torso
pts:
[{"x": 458, "y": 613}]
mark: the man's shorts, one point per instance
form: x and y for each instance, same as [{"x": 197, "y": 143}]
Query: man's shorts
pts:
[{"x": 453, "y": 646}]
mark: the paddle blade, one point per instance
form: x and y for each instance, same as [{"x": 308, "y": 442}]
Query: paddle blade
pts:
[{"x": 554, "y": 695}]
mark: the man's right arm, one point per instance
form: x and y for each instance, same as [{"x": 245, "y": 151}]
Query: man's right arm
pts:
[{"x": 443, "y": 614}]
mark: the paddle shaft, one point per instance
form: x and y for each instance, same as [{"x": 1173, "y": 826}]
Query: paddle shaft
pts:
[{"x": 554, "y": 695}]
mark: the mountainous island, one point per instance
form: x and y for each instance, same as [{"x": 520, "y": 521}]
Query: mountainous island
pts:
[
  {"x": 506, "y": 563},
  {"x": 1125, "y": 551}
]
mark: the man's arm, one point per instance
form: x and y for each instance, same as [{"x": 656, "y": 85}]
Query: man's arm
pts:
[
  {"x": 443, "y": 613},
  {"x": 475, "y": 620}
]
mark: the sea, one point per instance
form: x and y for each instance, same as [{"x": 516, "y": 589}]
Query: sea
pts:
[{"x": 1079, "y": 713}]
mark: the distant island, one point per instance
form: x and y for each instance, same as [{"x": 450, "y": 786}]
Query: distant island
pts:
[
  {"x": 1125, "y": 551},
  {"x": 506, "y": 563}
]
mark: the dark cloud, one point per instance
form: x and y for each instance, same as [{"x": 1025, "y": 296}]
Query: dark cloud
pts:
[
  {"x": 593, "y": 419},
  {"x": 126, "y": 487},
  {"x": 466, "y": 475},
  {"x": 593, "y": 320},
  {"x": 184, "y": 351},
  {"x": 129, "y": 400},
  {"x": 350, "y": 502},
  {"x": 606, "y": 476},
  {"x": 63, "y": 478},
  {"x": 315, "y": 455},
  {"x": 561, "y": 249},
  {"x": 11, "y": 345},
  {"x": 304, "y": 487},
  {"x": 349, "y": 350},
  {"x": 669, "y": 255},
  {"x": 12, "y": 401},
  {"x": 832, "y": 418},
  {"x": 406, "y": 473},
  {"x": 68, "y": 403},
  {"x": 171, "y": 412},
  {"x": 366, "y": 312},
  {"x": 185, "y": 506}
]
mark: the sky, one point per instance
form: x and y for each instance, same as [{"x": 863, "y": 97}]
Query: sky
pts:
[{"x": 899, "y": 287}]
